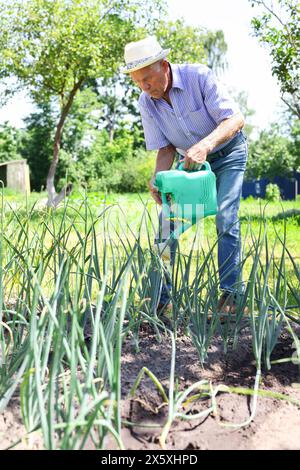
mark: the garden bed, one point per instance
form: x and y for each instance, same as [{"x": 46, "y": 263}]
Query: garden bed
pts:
[
  {"x": 62, "y": 277},
  {"x": 276, "y": 424}
]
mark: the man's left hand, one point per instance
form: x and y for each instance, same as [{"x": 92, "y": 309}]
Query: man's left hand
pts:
[{"x": 195, "y": 155}]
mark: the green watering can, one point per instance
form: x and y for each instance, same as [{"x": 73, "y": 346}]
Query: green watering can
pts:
[{"x": 187, "y": 195}]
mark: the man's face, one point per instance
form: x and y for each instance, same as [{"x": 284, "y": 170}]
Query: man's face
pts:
[{"x": 153, "y": 79}]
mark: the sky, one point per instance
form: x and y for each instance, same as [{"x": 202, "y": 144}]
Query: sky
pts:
[{"x": 249, "y": 66}]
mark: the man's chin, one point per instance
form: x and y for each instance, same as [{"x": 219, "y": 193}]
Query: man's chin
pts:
[{"x": 157, "y": 96}]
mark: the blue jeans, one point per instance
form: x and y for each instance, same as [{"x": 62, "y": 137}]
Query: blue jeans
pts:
[{"x": 229, "y": 165}]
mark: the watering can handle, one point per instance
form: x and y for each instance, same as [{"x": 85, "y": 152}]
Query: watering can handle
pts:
[
  {"x": 168, "y": 214},
  {"x": 205, "y": 164},
  {"x": 164, "y": 199}
]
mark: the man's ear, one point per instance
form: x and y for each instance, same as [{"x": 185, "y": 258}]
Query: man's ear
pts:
[{"x": 165, "y": 64}]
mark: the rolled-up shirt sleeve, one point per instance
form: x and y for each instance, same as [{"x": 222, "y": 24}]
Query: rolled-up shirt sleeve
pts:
[
  {"x": 154, "y": 137},
  {"x": 217, "y": 100}
]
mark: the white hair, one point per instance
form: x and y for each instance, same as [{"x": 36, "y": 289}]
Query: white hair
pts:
[{"x": 157, "y": 65}]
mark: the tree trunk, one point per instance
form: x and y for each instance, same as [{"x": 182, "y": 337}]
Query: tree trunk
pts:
[{"x": 53, "y": 198}]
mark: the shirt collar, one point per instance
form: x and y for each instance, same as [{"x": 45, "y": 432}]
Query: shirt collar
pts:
[{"x": 176, "y": 78}]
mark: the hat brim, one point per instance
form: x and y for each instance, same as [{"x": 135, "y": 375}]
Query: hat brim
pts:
[{"x": 152, "y": 60}]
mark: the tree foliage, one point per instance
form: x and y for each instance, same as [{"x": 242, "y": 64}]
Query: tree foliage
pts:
[
  {"x": 278, "y": 27},
  {"x": 37, "y": 144},
  {"x": 67, "y": 53},
  {"x": 241, "y": 98},
  {"x": 54, "y": 47},
  {"x": 190, "y": 44},
  {"x": 10, "y": 139},
  {"x": 272, "y": 154}
]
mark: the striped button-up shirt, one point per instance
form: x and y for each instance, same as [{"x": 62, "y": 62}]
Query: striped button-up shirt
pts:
[{"x": 199, "y": 105}]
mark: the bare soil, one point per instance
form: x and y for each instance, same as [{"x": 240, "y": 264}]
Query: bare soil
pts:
[{"x": 276, "y": 424}]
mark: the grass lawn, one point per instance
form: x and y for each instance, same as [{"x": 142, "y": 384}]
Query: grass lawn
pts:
[
  {"x": 126, "y": 213},
  {"x": 127, "y": 209}
]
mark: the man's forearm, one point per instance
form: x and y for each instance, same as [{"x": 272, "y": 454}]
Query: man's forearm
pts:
[
  {"x": 225, "y": 131},
  {"x": 165, "y": 158}
]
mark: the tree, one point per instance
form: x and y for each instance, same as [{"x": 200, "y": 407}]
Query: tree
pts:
[
  {"x": 9, "y": 143},
  {"x": 241, "y": 97},
  {"x": 54, "y": 47},
  {"x": 271, "y": 155},
  {"x": 279, "y": 28},
  {"x": 85, "y": 152},
  {"x": 190, "y": 44},
  {"x": 37, "y": 144},
  {"x": 295, "y": 143},
  {"x": 118, "y": 99}
]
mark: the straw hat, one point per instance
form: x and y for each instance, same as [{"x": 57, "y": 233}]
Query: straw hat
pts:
[{"x": 142, "y": 53}]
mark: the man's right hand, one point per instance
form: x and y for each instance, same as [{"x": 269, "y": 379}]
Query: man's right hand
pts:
[{"x": 154, "y": 191}]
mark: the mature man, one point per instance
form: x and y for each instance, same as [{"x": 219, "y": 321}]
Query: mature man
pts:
[{"x": 185, "y": 110}]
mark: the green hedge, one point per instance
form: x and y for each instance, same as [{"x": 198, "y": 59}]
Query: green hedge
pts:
[{"x": 129, "y": 176}]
